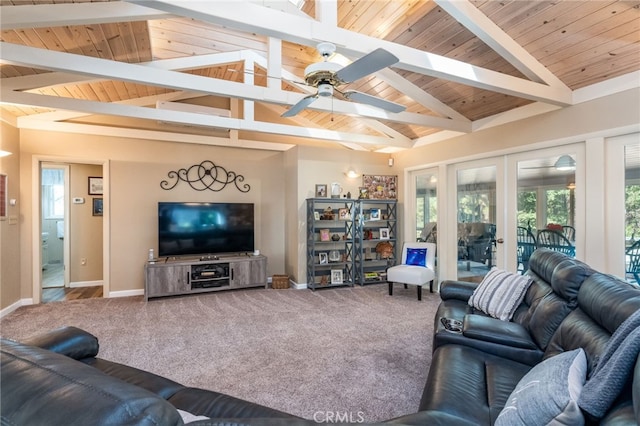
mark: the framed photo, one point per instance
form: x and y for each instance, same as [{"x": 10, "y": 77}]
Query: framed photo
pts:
[
  {"x": 4, "y": 195},
  {"x": 363, "y": 193},
  {"x": 97, "y": 207},
  {"x": 95, "y": 185},
  {"x": 381, "y": 187},
  {"x": 384, "y": 233},
  {"x": 323, "y": 258},
  {"x": 336, "y": 276},
  {"x": 321, "y": 190},
  {"x": 316, "y": 215},
  {"x": 375, "y": 214},
  {"x": 324, "y": 235},
  {"x": 343, "y": 214}
]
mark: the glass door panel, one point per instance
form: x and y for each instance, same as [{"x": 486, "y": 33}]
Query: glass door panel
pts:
[
  {"x": 425, "y": 221},
  {"x": 476, "y": 221},
  {"x": 546, "y": 205},
  {"x": 426, "y": 198},
  {"x": 632, "y": 212}
]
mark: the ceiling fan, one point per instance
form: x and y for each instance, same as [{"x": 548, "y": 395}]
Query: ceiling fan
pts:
[
  {"x": 564, "y": 162},
  {"x": 326, "y": 76}
]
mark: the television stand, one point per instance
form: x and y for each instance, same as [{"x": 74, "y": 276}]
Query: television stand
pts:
[{"x": 178, "y": 276}]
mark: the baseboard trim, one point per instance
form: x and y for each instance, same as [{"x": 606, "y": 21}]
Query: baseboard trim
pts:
[
  {"x": 299, "y": 286},
  {"x": 77, "y": 284},
  {"x": 126, "y": 293},
  {"x": 14, "y": 306}
]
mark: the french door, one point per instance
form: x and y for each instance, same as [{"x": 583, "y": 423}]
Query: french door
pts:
[{"x": 475, "y": 241}]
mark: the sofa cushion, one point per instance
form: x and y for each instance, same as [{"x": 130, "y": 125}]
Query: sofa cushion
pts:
[
  {"x": 43, "y": 387},
  {"x": 500, "y": 293},
  {"x": 470, "y": 385},
  {"x": 548, "y": 393}
]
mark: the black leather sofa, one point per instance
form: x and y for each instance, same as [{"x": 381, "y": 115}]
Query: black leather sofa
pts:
[
  {"x": 475, "y": 369},
  {"x": 57, "y": 378}
]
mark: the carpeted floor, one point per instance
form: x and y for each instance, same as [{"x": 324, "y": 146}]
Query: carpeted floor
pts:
[{"x": 348, "y": 350}]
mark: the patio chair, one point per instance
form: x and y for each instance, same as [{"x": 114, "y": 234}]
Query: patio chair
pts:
[
  {"x": 633, "y": 253},
  {"x": 569, "y": 232},
  {"x": 555, "y": 240},
  {"x": 526, "y": 246}
]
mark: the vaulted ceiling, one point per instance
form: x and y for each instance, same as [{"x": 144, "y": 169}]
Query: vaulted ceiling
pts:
[{"x": 223, "y": 72}]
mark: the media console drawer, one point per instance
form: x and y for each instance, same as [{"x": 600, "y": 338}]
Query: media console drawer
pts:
[{"x": 178, "y": 276}]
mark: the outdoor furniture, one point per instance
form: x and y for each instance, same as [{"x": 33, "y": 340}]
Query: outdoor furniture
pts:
[
  {"x": 569, "y": 232},
  {"x": 526, "y": 246},
  {"x": 633, "y": 254},
  {"x": 555, "y": 240},
  {"x": 417, "y": 268}
]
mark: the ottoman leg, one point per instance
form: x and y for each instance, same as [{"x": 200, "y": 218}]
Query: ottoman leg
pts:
[
  {"x": 390, "y": 288},
  {"x": 419, "y": 292}
]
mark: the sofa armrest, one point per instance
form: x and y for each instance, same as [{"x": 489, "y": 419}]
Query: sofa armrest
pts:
[
  {"x": 70, "y": 341},
  {"x": 497, "y": 331},
  {"x": 460, "y": 290}
]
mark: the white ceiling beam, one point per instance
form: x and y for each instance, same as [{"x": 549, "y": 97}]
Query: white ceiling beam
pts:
[
  {"x": 327, "y": 12},
  {"x": 416, "y": 93},
  {"x": 487, "y": 31},
  {"x": 128, "y": 133},
  {"x": 252, "y": 18},
  {"x": 58, "y": 15},
  {"x": 23, "y": 98},
  {"x": 97, "y": 67}
]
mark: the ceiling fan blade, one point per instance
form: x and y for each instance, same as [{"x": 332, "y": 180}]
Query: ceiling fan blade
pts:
[
  {"x": 300, "y": 105},
  {"x": 363, "y": 98},
  {"x": 368, "y": 64}
]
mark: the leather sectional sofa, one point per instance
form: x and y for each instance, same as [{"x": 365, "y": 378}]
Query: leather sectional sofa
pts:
[
  {"x": 57, "y": 378},
  {"x": 475, "y": 367}
]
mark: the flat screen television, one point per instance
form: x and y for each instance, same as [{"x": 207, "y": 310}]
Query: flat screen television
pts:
[{"x": 204, "y": 228}]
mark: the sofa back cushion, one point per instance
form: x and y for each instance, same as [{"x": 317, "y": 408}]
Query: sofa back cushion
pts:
[
  {"x": 542, "y": 264},
  {"x": 604, "y": 302},
  {"x": 44, "y": 387},
  {"x": 546, "y": 316}
]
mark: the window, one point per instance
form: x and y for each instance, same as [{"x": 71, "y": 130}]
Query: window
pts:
[{"x": 53, "y": 193}]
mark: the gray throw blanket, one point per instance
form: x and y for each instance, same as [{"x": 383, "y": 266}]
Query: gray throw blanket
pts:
[{"x": 613, "y": 369}]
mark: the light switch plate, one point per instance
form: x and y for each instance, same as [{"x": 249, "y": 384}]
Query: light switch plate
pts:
[{"x": 78, "y": 200}]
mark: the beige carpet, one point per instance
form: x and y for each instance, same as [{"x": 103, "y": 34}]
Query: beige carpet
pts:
[{"x": 347, "y": 350}]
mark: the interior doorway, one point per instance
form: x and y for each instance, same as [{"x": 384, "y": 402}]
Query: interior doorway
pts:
[
  {"x": 54, "y": 186},
  {"x": 69, "y": 231}
]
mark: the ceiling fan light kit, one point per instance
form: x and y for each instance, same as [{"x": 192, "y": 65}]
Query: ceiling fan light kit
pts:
[
  {"x": 327, "y": 76},
  {"x": 565, "y": 162}
]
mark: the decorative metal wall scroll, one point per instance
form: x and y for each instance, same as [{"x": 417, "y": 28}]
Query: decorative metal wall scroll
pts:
[{"x": 203, "y": 176}]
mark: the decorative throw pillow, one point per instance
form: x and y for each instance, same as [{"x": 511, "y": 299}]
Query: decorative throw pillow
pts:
[
  {"x": 548, "y": 393},
  {"x": 416, "y": 256},
  {"x": 500, "y": 293}
]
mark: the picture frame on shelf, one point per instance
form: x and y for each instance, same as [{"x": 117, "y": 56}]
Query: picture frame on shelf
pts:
[
  {"x": 375, "y": 214},
  {"x": 344, "y": 214},
  {"x": 316, "y": 215},
  {"x": 324, "y": 235},
  {"x": 381, "y": 187},
  {"x": 363, "y": 193},
  {"x": 336, "y": 276},
  {"x": 384, "y": 234},
  {"x": 321, "y": 190},
  {"x": 323, "y": 258},
  {"x": 96, "y": 185}
]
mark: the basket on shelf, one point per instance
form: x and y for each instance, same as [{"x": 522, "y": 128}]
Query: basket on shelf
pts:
[{"x": 280, "y": 282}]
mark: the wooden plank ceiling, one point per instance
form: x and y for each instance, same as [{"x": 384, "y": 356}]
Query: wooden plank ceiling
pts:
[{"x": 575, "y": 43}]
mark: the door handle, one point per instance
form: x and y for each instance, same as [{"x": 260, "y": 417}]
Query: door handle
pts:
[{"x": 500, "y": 241}]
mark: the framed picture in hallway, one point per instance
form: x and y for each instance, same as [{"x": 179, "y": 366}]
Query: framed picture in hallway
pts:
[
  {"x": 95, "y": 185},
  {"x": 97, "y": 207}
]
